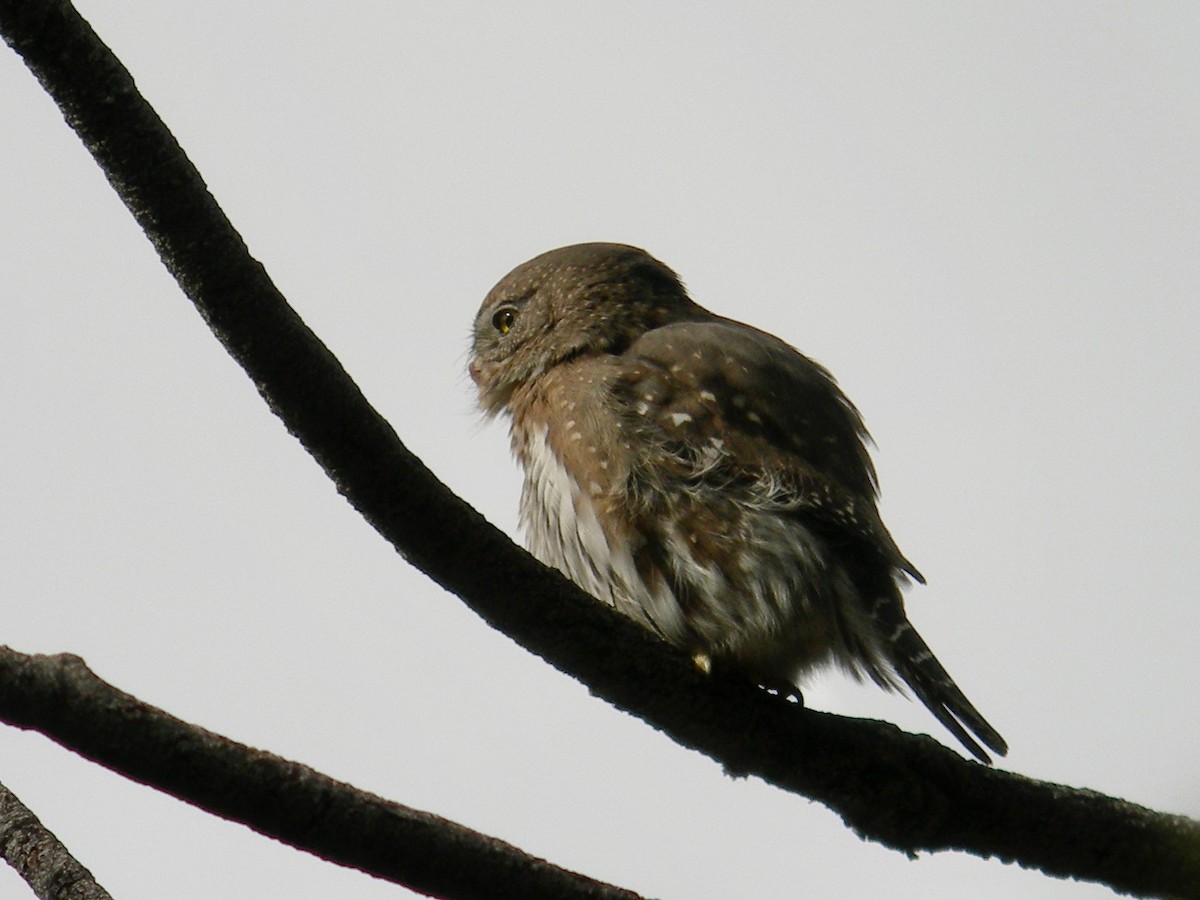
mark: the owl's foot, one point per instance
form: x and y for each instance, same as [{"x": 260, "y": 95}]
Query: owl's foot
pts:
[{"x": 784, "y": 690}]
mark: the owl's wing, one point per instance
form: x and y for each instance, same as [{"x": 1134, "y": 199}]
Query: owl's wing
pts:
[
  {"x": 747, "y": 416},
  {"x": 734, "y": 403}
]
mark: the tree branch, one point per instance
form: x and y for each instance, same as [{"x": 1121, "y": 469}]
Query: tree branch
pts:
[
  {"x": 63, "y": 699},
  {"x": 39, "y": 857},
  {"x": 905, "y": 791}
]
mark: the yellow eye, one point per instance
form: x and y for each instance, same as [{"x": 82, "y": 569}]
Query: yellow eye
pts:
[{"x": 503, "y": 320}]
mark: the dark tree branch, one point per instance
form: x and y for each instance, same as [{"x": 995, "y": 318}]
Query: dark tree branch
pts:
[
  {"x": 905, "y": 791},
  {"x": 39, "y": 857},
  {"x": 61, "y": 697}
]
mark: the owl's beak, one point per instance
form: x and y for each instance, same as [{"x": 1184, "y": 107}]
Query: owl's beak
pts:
[{"x": 473, "y": 371}]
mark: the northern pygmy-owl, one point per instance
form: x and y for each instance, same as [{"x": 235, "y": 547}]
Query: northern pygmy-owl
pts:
[{"x": 701, "y": 476}]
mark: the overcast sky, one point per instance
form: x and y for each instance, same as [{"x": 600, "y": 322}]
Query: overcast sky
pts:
[{"x": 985, "y": 219}]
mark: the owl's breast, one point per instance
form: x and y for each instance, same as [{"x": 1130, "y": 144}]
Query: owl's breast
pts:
[
  {"x": 577, "y": 527},
  {"x": 576, "y": 510},
  {"x": 559, "y": 515},
  {"x": 566, "y": 431}
]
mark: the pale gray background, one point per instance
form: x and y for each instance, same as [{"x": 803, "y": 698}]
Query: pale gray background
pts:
[{"x": 984, "y": 218}]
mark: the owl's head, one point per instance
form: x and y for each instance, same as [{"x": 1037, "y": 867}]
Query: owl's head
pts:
[{"x": 585, "y": 299}]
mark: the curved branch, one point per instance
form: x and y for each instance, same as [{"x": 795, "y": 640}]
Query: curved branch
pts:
[
  {"x": 63, "y": 699},
  {"x": 40, "y": 858},
  {"x": 905, "y": 791}
]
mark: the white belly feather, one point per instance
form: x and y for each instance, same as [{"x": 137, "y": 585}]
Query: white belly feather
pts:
[{"x": 562, "y": 530}]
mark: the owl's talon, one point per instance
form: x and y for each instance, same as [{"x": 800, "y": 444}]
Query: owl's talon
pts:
[{"x": 784, "y": 690}]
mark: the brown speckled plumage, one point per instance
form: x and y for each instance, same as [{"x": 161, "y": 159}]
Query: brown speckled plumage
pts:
[{"x": 700, "y": 475}]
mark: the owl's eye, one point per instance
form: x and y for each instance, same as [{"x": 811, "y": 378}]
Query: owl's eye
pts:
[{"x": 503, "y": 320}]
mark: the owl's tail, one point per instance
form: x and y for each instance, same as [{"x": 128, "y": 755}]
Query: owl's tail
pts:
[{"x": 921, "y": 671}]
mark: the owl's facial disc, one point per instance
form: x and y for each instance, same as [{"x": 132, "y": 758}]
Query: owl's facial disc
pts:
[{"x": 500, "y": 355}]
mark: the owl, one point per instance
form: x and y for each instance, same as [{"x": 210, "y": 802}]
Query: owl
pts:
[{"x": 702, "y": 477}]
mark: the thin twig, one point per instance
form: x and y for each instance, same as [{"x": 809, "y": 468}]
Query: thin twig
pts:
[
  {"x": 40, "y": 858},
  {"x": 63, "y": 699}
]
